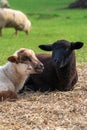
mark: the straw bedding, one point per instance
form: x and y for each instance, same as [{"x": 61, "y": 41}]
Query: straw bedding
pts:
[{"x": 48, "y": 111}]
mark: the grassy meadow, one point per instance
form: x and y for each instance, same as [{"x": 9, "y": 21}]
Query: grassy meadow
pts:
[{"x": 51, "y": 21}]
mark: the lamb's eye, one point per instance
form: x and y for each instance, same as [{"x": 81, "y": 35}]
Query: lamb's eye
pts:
[
  {"x": 26, "y": 58},
  {"x": 29, "y": 59}
]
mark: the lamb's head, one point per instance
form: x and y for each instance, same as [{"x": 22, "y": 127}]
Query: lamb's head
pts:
[
  {"x": 27, "y": 26},
  {"x": 26, "y": 62},
  {"x": 62, "y": 51}
]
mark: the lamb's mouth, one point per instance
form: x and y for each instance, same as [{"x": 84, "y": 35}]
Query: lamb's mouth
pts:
[{"x": 39, "y": 70}]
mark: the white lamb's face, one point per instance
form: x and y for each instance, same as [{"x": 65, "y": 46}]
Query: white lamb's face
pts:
[
  {"x": 25, "y": 69},
  {"x": 26, "y": 62}
]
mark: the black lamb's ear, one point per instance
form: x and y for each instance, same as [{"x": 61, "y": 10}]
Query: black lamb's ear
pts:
[
  {"x": 76, "y": 45},
  {"x": 46, "y": 47}
]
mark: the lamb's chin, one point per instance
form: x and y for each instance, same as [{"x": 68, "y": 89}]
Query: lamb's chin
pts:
[{"x": 39, "y": 71}]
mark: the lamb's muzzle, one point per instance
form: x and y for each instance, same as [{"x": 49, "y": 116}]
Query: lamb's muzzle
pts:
[{"x": 39, "y": 68}]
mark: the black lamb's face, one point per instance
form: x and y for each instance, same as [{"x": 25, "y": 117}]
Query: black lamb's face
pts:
[{"x": 61, "y": 51}]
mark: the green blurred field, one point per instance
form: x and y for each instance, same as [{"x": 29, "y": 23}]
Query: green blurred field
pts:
[{"x": 50, "y": 22}]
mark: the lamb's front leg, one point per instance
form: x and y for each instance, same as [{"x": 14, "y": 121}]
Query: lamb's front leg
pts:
[
  {"x": 16, "y": 32},
  {"x": 8, "y": 95}
]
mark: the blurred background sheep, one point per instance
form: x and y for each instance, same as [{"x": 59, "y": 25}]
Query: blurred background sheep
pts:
[
  {"x": 16, "y": 19},
  {"x": 4, "y": 4}
]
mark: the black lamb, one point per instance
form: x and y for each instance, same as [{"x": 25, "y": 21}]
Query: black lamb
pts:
[{"x": 59, "y": 68}]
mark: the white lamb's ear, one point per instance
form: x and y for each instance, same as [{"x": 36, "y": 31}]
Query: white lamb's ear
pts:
[
  {"x": 76, "y": 45},
  {"x": 13, "y": 59},
  {"x": 46, "y": 47}
]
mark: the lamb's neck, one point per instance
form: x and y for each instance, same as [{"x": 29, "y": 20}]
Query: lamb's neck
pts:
[
  {"x": 66, "y": 71},
  {"x": 16, "y": 78},
  {"x": 63, "y": 72}
]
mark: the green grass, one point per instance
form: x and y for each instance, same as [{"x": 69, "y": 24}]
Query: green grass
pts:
[{"x": 50, "y": 22}]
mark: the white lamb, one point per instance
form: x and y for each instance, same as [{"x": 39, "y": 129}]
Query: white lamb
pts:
[
  {"x": 14, "y": 19},
  {"x": 14, "y": 73}
]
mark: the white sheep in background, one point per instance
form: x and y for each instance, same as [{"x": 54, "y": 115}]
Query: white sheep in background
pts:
[
  {"x": 14, "y": 73},
  {"x": 4, "y": 4},
  {"x": 14, "y": 19}
]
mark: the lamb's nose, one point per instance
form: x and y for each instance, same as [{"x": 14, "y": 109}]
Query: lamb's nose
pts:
[{"x": 39, "y": 66}]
